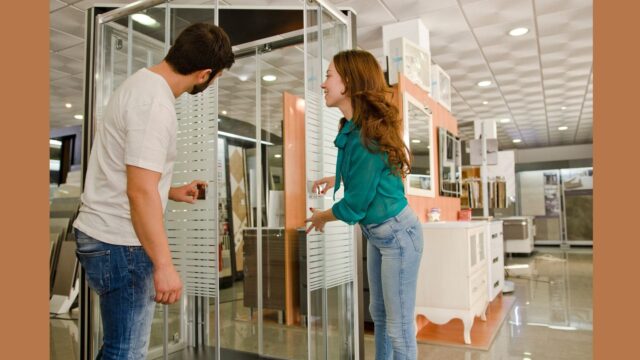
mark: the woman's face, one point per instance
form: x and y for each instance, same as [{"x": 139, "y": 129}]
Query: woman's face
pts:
[{"x": 333, "y": 88}]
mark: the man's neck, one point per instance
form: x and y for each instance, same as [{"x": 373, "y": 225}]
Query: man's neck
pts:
[{"x": 177, "y": 82}]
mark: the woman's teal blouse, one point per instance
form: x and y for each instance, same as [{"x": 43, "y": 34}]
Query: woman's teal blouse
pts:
[{"x": 372, "y": 194}]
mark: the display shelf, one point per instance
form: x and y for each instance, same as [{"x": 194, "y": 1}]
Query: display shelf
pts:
[{"x": 412, "y": 61}]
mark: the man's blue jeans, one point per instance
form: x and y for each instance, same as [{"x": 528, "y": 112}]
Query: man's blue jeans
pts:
[
  {"x": 393, "y": 257},
  {"x": 123, "y": 278}
]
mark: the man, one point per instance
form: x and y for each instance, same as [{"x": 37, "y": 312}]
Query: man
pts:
[{"x": 122, "y": 244}]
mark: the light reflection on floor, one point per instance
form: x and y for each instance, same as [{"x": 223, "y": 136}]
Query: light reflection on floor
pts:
[{"x": 552, "y": 317}]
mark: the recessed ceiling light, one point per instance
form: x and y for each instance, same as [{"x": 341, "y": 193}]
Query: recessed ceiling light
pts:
[
  {"x": 145, "y": 19},
  {"x": 224, "y": 112},
  {"x": 563, "y": 128},
  {"x": 484, "y": 83},
  {"x": 277, "y": 156},
  {"x": 78, "y": 117},
  {"x": 68, "y": 105},
  {"x": 243, "y": 77},
  {"x": 269, "y": 78},
  {"x": 563, "y": 108},
  {"x": 517, "y": 141},
  {"x": 518, "y": 31},
  {"x": 485, "y": 102},
  {"x": 505, "y": 120},
  {"x": 415, "y": 141}
]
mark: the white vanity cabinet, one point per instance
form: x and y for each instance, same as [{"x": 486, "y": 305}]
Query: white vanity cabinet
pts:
[
  {"x": 495, "y": 263},
  {"x": 519, "y": 233},
  {"x": 452, "y": 280}
]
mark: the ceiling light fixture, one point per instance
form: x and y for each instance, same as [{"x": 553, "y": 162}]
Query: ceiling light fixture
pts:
[
  {"x": 68, "y": 105},
  {"x": 224, "y": 112},
  {"x": 277, "y": 156},
  {"x": 269, "y": 78},
  {"x": 563, "y": 108},
  {"x": 145, "y": 19},
  {"x": 518, "y": 31},
  {"x": 563, "y": 128},
  {"x": 517, "y": 141},
  {"x": 484, "y": 83},
  {"x": 485, "y": 102},
  {"x": 78, "y": 117},
  {"x": 505, "y": 120},
  {"x": 243, "y": 77},
  {"x": 415, "y": 141}
]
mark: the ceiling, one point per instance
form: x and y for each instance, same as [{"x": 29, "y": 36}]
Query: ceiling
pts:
[{"x": 540, "y": 81}]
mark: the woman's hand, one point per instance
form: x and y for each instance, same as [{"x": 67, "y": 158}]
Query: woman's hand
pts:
[
  {"x": 323, "y": 185},
  {"x": 317, "y": 220},
  {"x": 186, "y": 193}
]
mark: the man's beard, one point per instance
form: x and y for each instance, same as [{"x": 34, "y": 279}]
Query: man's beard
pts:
[{"x": 198, "y": 88}]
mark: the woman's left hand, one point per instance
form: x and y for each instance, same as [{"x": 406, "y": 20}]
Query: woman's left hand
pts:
[{"x": 317, "y": 220}]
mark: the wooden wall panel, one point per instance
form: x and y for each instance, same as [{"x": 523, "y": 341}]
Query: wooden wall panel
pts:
[
  {"x": 449, "y": 206},
  {"x": 294, "y": 199}
]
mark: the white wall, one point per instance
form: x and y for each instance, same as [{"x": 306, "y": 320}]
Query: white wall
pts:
[{"x": 554, "y": 153}]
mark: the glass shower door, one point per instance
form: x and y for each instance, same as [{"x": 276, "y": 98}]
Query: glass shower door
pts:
[
  {"x": 331, "y": 256},
  {"x": 122, "y": 45}
]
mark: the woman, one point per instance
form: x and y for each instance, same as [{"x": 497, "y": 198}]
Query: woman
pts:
[{"x": 372, "y": 160}]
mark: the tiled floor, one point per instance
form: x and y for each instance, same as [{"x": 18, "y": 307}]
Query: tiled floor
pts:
[{"x": 552, "y": 318}]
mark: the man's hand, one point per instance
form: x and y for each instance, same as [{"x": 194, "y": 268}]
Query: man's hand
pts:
[
  {"x": 167, "y": 284},
  {"x": 186, "y": 193},
  {"x": 328, "y": 183}
]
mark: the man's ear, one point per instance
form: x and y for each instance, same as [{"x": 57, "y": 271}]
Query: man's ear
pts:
[{"x": 203, "y": 75}]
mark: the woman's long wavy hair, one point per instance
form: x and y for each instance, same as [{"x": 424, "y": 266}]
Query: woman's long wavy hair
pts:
[{"x": 373, "y": 111}]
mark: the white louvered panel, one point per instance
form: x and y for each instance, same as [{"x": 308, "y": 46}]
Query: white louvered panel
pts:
[
  {"x": 179, "y": 215},
  {"x": 195, "y": 127},
  {"x": 183, "y": 178},
  {"x": 196, "y": 165},
  {"x": 204, "y": 138},
  {"x": 193, "y": 228},
  {"x": 199, "y": 236},
  {"x": 329, "y": 254}
]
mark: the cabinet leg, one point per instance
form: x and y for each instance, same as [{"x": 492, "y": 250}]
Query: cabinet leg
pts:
[
  {"x": 483, "y": 317},
  {"x": 468, "y": 323}
]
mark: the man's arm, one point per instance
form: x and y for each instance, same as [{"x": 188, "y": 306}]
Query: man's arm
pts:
[{"x": 147, "y": 219}]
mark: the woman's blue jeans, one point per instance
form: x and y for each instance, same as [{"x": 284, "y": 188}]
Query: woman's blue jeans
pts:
[
  {"x": 123, "y": 278},
  {"x": 394, "y": 251}
]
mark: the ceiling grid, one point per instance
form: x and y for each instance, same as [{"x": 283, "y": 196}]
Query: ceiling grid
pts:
[{"x": 538, "y": 78}]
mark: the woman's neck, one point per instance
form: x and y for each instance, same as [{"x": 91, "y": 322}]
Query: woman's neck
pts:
[{"x": 346, "y": 109}]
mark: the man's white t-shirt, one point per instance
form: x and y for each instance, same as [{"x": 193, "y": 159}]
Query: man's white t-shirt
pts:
[{"x": 138, "y": 128}]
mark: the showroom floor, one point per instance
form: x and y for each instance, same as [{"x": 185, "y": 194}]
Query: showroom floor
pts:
[{"x": 552, "y": 317}]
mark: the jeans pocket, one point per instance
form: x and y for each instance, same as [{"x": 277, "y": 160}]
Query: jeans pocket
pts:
[
  {"x": 382, "y": 235},
  {"x": 96, "y": 265},
  {"x": 416, "y": 238}
]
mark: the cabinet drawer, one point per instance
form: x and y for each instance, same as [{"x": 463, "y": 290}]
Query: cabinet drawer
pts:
[
  {"x": 497, "y": 246},
  {"x": 477, "y": 285}
]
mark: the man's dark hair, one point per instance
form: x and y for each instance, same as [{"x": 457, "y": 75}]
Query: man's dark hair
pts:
[{"x": 201, "y": 46}]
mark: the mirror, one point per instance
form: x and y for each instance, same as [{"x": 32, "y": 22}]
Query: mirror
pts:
[
  {"x": 419, "y": 139},
  {"x": 450, "y": 163}
]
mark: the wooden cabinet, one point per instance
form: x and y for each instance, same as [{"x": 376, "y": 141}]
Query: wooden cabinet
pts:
[
  {"x": 273, "y": 270},
  {"x": 452, "y": 280}
]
